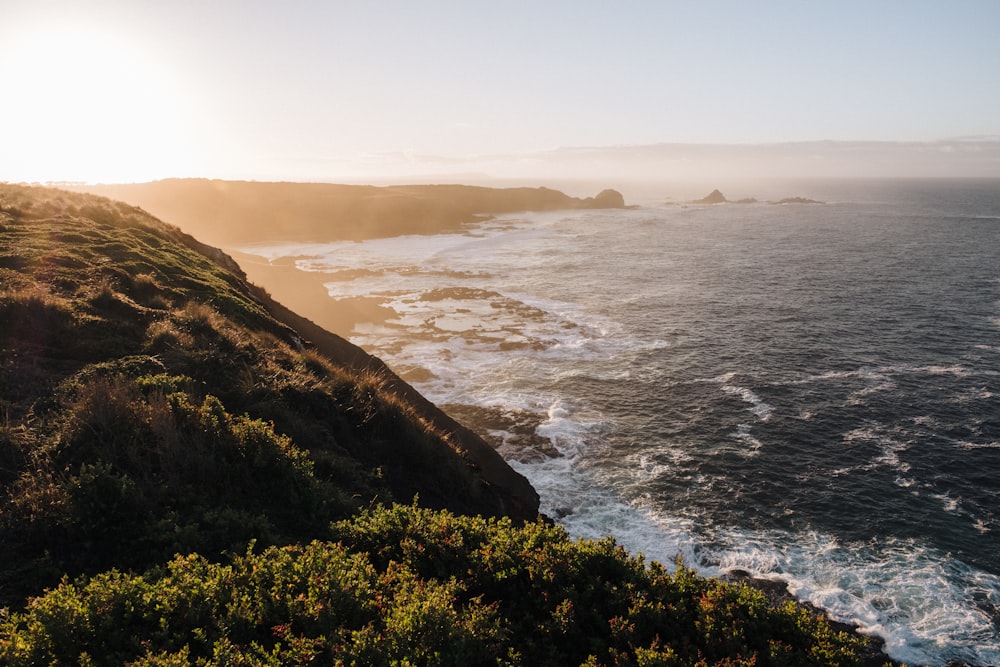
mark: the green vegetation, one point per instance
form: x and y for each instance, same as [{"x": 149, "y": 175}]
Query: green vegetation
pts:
[
  {"x": 406, "y": 586},
  {"x": 184, "y": 480}
]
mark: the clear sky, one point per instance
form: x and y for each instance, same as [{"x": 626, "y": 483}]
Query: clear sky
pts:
[{"x": 322, "y": 89}]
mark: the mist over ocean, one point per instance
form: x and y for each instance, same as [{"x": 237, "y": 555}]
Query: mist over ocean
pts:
[{"x": 808, "y": 393}]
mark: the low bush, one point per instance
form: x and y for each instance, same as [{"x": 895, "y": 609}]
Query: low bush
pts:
[
  {"x": 406, "y": 586},
  {"x": 139, "y": 469}
]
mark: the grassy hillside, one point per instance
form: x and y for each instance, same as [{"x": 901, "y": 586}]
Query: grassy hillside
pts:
[
  {"x": 233, "y": 214},
  {"x": 192, "y": 474},
  {"x": 151, "y": 402}
]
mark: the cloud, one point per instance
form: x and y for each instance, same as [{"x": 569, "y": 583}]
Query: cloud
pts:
[{"x": 958, "y": 157}]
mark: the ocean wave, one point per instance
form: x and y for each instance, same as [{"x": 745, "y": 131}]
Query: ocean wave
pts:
[
  {"x": 752, "y": 444},
  {"x": 758, "y": 407},
  {"x": 922, "y": 603},
  {"x": 927, "y": 606}
]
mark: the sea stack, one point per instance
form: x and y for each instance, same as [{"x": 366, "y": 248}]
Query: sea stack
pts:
[
  {"x": 605, "y": 199},
  {"x": 714, "y": 197}
]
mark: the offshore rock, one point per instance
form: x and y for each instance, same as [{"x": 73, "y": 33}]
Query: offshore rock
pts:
[
  {"x": 797, "y": 200},
  {"x": 714, "y": 197},
  {"x": 605, "y": 199}
]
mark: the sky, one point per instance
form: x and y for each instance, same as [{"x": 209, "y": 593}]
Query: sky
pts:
[{"x": 132, "y": 90}]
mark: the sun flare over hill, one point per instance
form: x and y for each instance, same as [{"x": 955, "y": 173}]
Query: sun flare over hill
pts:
[{"x": 84, "y": 104}]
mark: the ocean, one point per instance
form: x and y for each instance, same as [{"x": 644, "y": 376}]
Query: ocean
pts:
[{"x": 807, "y": 393}]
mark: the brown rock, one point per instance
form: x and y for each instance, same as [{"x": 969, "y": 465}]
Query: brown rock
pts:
[
  {"x": 606, "y": 199},
  {"x": 714, "y": 197}
]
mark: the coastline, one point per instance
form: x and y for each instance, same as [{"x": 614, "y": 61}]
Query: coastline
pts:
[
  {"x": 777, "y": 594},
  {"x": 304, "y": 291}
]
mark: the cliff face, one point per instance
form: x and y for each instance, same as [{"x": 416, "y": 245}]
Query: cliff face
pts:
[
  {"x": 508, "y": 492},
  {"x": 234, "y": 212},
  {"x": 153, "y": 401}
]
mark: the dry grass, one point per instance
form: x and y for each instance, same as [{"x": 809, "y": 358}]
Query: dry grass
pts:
[
  {"x": 146, "y": 290},
  {"x": 35, "y": 297},
  {"x": 37, "y": 502},
  {"x": 164, "y": 335}
]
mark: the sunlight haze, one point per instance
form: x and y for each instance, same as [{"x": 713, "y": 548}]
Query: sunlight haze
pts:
[{"x": 129, "y": 91}]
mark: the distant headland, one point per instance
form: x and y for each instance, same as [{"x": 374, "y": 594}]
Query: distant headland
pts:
[{"x": 228, "y": 213}]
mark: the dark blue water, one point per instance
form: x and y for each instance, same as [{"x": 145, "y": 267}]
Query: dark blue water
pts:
[
  {"x": 868, "y": 338},
  {"x": 807, "y": 392}
]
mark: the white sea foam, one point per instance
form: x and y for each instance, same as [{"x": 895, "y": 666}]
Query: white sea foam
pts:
[
  {"x": 875, "y": 380},
  {"x": 645, "y": 470},
  {"x": 858, "y": 397},
  {"x": 586, "y": 509},
  {"x": 908, "y": 595},
  {"x": 978, "y": 445},
  {"x": 948, "y": 503},
  {"x": 648, "y": 467},
  {"x": 762, "y": 410},
  {"x": 567, "y": 434},
  {"x": 884, "y": 378},
  {"x": 752, "y": 444},
  {"x": 886, "y": 442},
  {"x": 758, "y": 407}
]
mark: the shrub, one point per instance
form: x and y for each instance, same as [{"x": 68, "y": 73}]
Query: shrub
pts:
[
  {"x": 36, "y": 316},
  {"x": 140, "y": 468},
  {"x": 146, "y": 290},
  {"x": 406, "y": 586}
]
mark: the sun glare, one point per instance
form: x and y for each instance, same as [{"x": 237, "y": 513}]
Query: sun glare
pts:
[{"x": 82, "y": 105}]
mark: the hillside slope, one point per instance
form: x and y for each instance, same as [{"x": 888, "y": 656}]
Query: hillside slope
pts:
[{"x": 153, "y": 402}]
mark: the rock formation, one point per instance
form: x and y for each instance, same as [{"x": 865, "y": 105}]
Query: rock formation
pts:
[
  {"x": 714, "y": 197},
  {"x": 605, "y": 199}
]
